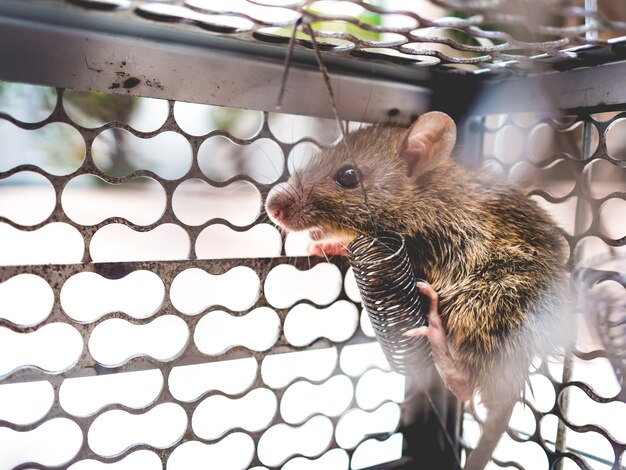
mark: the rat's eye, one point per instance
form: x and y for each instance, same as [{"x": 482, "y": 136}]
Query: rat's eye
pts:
[{"x": 347, "y": 177}]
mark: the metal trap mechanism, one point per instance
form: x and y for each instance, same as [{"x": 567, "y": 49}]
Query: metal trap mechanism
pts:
[{"x": 386, "y": 280}]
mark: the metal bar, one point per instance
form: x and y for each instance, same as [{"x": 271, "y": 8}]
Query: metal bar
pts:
[
  {"x": 560, "y": 442},
  {"x": 580, "y": 222},
  {"x": 428, "y": 431},
  {"x": 66, "y": 47},
  {"x": 178, "y": 66},
  {"x": 125, "y": 23},
  {"x": 591, "y": 6},
  {"x": 590, "y": 88}
]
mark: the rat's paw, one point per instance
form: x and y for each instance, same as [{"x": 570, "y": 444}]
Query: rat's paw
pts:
[
  {"x": 427, "y": 290},
  {"x": 434, "y": 321},
  {"x": 454, "y": 375},
  {"x": 326, "y": 249},
  {"x": 421, "y": 331},
  {"x": 434, "y": 331}
]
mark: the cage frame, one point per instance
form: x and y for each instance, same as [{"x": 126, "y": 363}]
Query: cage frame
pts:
[{"x": 54, "y": 41}]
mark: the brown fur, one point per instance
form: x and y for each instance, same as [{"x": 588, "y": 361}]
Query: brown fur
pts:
[{"x": 493, "y": 256}]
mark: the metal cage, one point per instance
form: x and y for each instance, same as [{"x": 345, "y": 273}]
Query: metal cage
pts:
[{"x": 139, "y": 324}]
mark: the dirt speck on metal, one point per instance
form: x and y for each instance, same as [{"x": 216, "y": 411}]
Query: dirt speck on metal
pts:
[{"x": 131, "y": 82}]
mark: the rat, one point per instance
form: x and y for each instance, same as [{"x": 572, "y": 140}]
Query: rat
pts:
[{"x": 493, "y": 259}]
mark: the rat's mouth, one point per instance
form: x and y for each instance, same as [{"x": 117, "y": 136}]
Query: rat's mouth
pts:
[{"x": 323, "y": 235}]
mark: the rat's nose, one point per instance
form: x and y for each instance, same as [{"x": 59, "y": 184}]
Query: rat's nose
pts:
[
  {"x": 276, "y": 213},
  {"x": 275, "y": 209},
  {"x": 278, "y": 204}
]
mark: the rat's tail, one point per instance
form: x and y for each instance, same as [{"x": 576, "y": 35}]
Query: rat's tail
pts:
[{"x": 499, "y": 410}]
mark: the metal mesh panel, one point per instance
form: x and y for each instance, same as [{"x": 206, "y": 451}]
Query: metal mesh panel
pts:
[
  {"x": 475, "y": 36},
  {"x": 147, "y": 330},
  {"x": 574, "y": 168}
]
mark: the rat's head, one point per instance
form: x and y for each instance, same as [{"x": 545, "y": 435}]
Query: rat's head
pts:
[{"x": 363, "y": 184}]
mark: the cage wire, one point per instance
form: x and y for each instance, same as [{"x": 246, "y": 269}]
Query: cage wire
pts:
[
  {"x": 474, "y": 36},
  {"x": 151, "y": 316}
]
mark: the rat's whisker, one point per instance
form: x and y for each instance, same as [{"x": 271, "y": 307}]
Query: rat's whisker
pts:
[{"x": 324, "y": 253}]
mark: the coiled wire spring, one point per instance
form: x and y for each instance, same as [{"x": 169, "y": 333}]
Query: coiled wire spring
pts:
[
  {"x": 386, "y": 280},
  {"x": 602, "y": 292}
]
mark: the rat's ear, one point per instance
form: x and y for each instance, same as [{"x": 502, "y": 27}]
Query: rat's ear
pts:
[{"x": 429, "y": 141}]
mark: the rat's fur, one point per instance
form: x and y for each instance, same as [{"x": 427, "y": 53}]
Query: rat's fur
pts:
[{"x": 493, "y": 256}]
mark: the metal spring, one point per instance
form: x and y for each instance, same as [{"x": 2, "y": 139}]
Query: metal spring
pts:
[
  {"x": 605, "y": 309},
  {"x": 612, "y": 328},
  {"x": 386, "y": 280}
]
